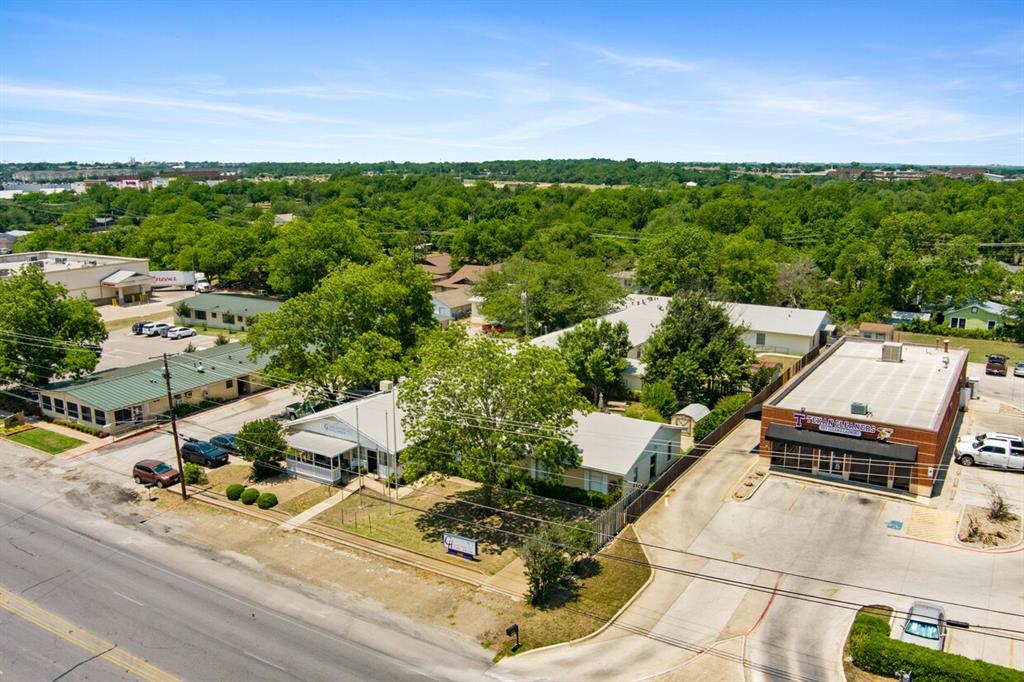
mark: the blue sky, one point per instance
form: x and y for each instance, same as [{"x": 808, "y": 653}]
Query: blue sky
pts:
[{"x": 933, "y": 82}]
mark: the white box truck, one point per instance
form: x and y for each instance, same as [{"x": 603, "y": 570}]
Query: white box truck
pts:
[{"x": 179, "y": 279}]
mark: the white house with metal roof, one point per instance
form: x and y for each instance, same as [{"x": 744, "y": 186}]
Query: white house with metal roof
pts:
[
  {"x": 222, "y": 311},
  {"x": 120, "y": 399},
  {"x": 368, "y": 433},
  {"x": 769, "y": 329}
]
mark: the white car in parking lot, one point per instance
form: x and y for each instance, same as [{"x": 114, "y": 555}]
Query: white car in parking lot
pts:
[
  {"x": 180, "y": 332},
  {"x": 993, "y": 452}
]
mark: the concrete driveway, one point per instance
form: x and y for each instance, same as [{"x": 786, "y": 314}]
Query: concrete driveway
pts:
[
  {"x": 1009, "y": 389},
  {"x": 158, "y": 308},
  {"x": 122, "y": 348},
  {"x": 119, "y": 457}
]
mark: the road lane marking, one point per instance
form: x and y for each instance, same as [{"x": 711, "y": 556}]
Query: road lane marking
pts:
[
  {"x": 263, "y": 660},
  {"x": 69, "y": 632},
  {"x": 134, "y": 601}
]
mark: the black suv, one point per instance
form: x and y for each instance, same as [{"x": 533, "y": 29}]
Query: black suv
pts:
[
  {"x": 201, "y": 452},
  {"x": 137, "y": 327}
]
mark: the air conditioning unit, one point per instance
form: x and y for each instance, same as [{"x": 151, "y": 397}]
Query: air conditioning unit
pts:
[
  {"x": 386, "y": 385},
  {"x": 859, "y": 408},
  {"x": 892, "y": 352}
]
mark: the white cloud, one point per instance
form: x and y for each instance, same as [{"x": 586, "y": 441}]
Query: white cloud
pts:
[{"x": 644, "y": 62}]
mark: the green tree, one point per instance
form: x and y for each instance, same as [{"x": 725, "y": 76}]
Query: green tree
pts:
[
  {"x": 44, "y": 334},
  {"x": 261, "y": 443},
  {"x": 353, "y": 329},
  {"x": 698, "y": 351},
  {"x": 595, "y": 351},
  {"x": 482, "y": 407},
  {"x": 682, "y": 259},
  {"x": 560, "y": 292},
  {"x": 548, "y": 565},
  {"x": 658, "y": 395},
  {"x": 306, "y": 251}
]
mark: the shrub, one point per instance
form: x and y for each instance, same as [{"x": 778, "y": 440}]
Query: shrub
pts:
[
  {"x": 588, "y": 498},
  {"x": 547, "y": 565},
  {"x": 724, "y": 409},
  {"x": 873, "y": 650},
  {"x": 659, "y": 396},
  {"x": 220, "y": 340},
  {"x": 249, "y": 495},
  {"x": 194, "y": 474},
  {"x": 641, "y": 411},
  {"x": 266, "y": 501},
  {"x": 79, "y": 427},
  {"x": 234, "y": 491},
  {"x": 190, "y": 348},
  {"x": 998, "y": 510}
]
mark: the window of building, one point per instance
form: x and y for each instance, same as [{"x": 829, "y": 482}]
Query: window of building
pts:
[
  {"x": 901, "y": 476},
  {"x": 957, "y": 322},
  {"x": 793, "y": 456},
  {"x": 200, "y": 314},
  {"x": 654, "y": 465},
  {"x": 101, "y": 417},
  {"x": 73, "y": 410},
  {"x": 123, "y": 415},
  {"x": 759, "y": 339},
  {"x": 213, "y": 316},
  {"x": 47, "y": 403},
  {"x": 595, "y": 480},
  {"x": 228, "y": 318},
  {"x": 58, "y": 405},
  {"x": 991, "y": 324},
  {"x": 229, "y": 383},
  {"x": 86, "y": 413},
  {"x": 974, "y": 309},
  {"x": 188, "y": 394}
]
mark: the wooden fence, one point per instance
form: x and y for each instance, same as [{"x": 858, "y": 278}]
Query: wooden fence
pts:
[{"x": 632, "y": 505}]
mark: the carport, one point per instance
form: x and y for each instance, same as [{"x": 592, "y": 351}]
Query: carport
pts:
[
  {"x": 318, "y": 457},
  {"x": 127, "y": 286}
]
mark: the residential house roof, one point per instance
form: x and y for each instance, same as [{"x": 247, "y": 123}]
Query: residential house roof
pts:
[
  {"x": 612, "y": 443},
  {"x": 437, "y": 263},
  {"x": 282, "y": 218},
  {"x": 988, "y": 306},
  {"x": 122, "y": 387},
  {"x": 453, "y": 298},
  {"x": 908, "y": 315},
  {"x": 235, "y": 304},
  {"x": 876, "y": 327},
  {"x": 376, "y": 419},
  {"x": 318, "y": 443},
  {"x": 467, "y": 275},
  {"x": 642, "y": 315}
]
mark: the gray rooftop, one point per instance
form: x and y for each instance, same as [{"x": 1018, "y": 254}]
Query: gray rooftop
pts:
[
  {"x": 910, "y": 393},
  {"x": 234, "y": 304},
  {"x": 375, "y": 420},
  {"x": 612, "y": 443},
  {"x": 114, "y": 389}
]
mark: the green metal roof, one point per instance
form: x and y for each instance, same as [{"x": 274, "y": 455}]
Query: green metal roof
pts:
[
  {"x": 114, "y": 389},
  {"x": 234, "y": 304}
]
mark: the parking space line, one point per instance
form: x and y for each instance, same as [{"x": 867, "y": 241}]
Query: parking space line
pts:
[
  {"x": 134, "y": 601},
  {"x": 795, "y": 499},
  {"x": 878, "y": 517}
]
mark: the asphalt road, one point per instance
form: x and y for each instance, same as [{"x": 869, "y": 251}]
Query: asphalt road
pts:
[{"x": 180, "y": 612}]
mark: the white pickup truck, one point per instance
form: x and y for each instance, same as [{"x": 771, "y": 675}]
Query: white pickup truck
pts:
[{"x": 995, "y": 453}]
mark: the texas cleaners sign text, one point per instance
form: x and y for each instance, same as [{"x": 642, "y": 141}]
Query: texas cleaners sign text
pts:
[{"x": 835, "y": 425}]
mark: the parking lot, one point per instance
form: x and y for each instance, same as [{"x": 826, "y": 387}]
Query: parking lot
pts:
[{"x": 123, "y": 348}]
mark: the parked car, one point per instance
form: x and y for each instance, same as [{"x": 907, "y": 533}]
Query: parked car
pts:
[
  {"x": 138, "y": 326},
  {"x": 225, "y": 441},
  {"x": 304, "y": 407},
  {"x": 996, "y": 365},
  {"x": 180, "y": 332},
  {"x": 204, "y": 453},
  {"x": 995, "y": 453},
  {"x": 1018, "y": 369},
  {"x": 925, "y": 626},
  {"x": 160, "y": 474},
  {"x": 153, "y": 328},
  {"x": 1015, "y": 441}
]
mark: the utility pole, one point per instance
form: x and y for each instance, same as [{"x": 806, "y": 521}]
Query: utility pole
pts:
[
  {"x": 524, "y": 297},
  {"x": 174, "y": 427}
]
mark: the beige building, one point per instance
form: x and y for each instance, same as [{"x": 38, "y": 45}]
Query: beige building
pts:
[
  {"x": 222, "y": 311},
  {"x": 101, "y": 279},
  {"x": 120, "y": 399}
]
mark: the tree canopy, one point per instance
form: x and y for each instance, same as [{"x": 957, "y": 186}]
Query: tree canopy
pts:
[
  {"x": 697, "y": 351},
  {"x": 353, "y": 329},
  {"x": 482, "y": 407},
  {"x": 595, "y": 351},
  {"x": 44, "y": 334}
]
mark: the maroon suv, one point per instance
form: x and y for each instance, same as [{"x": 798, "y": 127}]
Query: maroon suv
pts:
[{"x": 160, "y": 474}]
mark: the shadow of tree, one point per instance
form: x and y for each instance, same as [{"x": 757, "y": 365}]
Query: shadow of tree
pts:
[{"x": 503, "y": 526}]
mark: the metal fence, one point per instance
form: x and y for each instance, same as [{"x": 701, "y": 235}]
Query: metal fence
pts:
[{"x": 632, "y": 505}]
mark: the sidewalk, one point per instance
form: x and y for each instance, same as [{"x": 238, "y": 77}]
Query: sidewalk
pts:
[{"x": 318, "y": 509}]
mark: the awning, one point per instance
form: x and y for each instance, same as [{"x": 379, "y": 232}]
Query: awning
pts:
[
  {"x": 124, "y": 278},
  {"x": 318, "y": 443},
  {"x": 860, "y": 446}
]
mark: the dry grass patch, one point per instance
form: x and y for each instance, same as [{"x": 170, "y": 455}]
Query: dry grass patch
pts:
[
  {"x": 598, "y": 598},
  {"x": 978, "y": 528},
  {"x": 310, "y": 498}
]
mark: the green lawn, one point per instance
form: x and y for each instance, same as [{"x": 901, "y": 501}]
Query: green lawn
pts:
[
  {"x": 301, "y": 503},
  {"x": 977, "y": 349},
  {"x": 47, "y": 441},
  {"x": 599, "y": 598},
  {"x": 455, "y": 507}
]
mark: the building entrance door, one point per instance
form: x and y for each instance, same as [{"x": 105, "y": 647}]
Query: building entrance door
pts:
[{"x": 830, "y": 463}]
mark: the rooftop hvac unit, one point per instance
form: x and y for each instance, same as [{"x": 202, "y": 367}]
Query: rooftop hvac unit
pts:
[
  {"x": 892, "y": 352},
  {"x": 859, "y": 408},
  {"x": 386, "y": 385}
]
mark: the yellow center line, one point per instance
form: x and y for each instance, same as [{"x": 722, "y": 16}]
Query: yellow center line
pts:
[{"x": 69, "y": 632}]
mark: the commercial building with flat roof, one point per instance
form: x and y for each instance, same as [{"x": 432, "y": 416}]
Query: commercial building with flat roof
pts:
[
  {"x": 875, "y": 413},
  {"x": 119, "y": 399},
  {"x": 101, "y": 279},
  {"x": 222, "y": 311}
]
